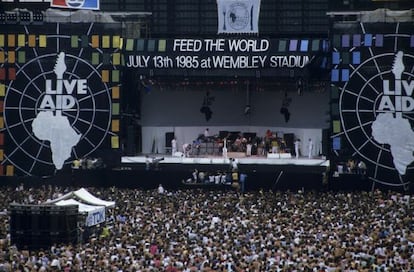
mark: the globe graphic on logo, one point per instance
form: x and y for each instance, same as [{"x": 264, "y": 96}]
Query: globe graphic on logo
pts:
[
  {"x": 369, "y": 100},
  {"x": 238, "y": 16},
  {"x": 89, "y": 116},
  {"x": 75, "y": 3}
]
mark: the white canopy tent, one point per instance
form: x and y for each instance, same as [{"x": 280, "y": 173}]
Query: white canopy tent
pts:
[
  {"x": 84, "y": 196},
  {"x": 82, "y": 207},
  {"x": 94, "y": 214},
  {"x": 88, "y": 204}
]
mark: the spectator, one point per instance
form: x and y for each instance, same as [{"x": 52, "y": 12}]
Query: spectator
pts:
[
  {"x": 199, "y": 230},
  {"x": 161, "y": 189},
  {"x": 173, "y": 146}
]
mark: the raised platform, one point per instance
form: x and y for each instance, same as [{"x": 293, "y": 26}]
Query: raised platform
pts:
[
  {"x": 265, "y": 173},
  {"x": 271, "y": 159},
  {"x": 262, "y": 172}
]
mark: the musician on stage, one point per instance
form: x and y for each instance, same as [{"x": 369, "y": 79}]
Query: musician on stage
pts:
[
  {"x": 310, "y": 148},
  {"x": 186, "y": 149},
  {"x": 173, "y": 146},
  {"x": 297, "y": 145}
]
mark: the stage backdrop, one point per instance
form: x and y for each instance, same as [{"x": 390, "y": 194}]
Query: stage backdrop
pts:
[
  {"x": 59, "y": 90},
  {"x": 178, "y": 109},
  {"x": 372, "y": 98}
]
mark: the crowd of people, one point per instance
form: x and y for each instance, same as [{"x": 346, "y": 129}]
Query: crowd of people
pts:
[{"x": 203, "y": 230}]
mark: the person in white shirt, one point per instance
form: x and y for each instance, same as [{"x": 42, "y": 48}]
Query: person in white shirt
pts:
[
  {"x": 173, "y": 146},
  {"x": 234, "y": 165},
  {"x": 310, "y": 148},
  {"x": 249, "y": 149},
  {"x": 161, "y": 189},
  {"x": 225, "y": 148},
  {"x": 297, "y": 145},
  {"x": 186, "y": 150}
]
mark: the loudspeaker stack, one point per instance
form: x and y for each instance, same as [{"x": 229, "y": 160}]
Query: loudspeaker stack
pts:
[{"x": 41, "y": 226}]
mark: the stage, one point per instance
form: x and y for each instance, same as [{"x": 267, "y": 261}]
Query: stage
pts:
[
  {"x": 270, "y": 159},
  {"x": 271, "y": 172},
  {"x": 263, "y": 172},
  {"x": 266, "y": 173}
]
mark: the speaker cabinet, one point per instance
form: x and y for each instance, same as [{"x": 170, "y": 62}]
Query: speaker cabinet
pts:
[
  {"x": 223, "y": 134},
  {"x": 111, "y": 158},
  {"x": 131, "y": 148},
  {"x": 168, "y": 138},
  {"x": 289, "y": 139},
  {"x": 40, "y": 226},
  {"x": 249, "y": 135},
  {"x": 325, "y": 142}
]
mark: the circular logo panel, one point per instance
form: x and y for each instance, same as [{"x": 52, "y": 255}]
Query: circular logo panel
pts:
[
  {"x": 238, "y": 16},
  {"x": 376, "y": 111},
  {"x": 58, "y": 109}
]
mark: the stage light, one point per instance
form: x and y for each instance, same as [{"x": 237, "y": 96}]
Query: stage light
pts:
[
  {"x": 2, "y": 17},
  {"x": 146, "y": 85},
  {"x": 25, "y": 17},
  {"x": 247, "y": 110},
  {"x": 11, "y": 17},
  {"x": 299, "y": 86},
  {"x": 37, "y": 17},
  {"x": 207, "y": 112}
]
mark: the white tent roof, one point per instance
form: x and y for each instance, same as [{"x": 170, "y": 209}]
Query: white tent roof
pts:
[
  {"x": 86, "y": 197},
  {"x": 83, "y": 208}
]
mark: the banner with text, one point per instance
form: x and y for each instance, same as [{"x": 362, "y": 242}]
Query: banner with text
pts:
[
  {"x": 95, "y": 217},
  {"x": 220, "y": 53}
]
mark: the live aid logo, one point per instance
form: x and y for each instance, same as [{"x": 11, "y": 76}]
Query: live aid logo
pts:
[
  {"x": 59, "y": 93},
  {"x": 397, "y": 98}
]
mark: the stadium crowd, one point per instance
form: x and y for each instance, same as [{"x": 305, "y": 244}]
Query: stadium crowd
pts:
[{"x": 200, "y": 230}]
